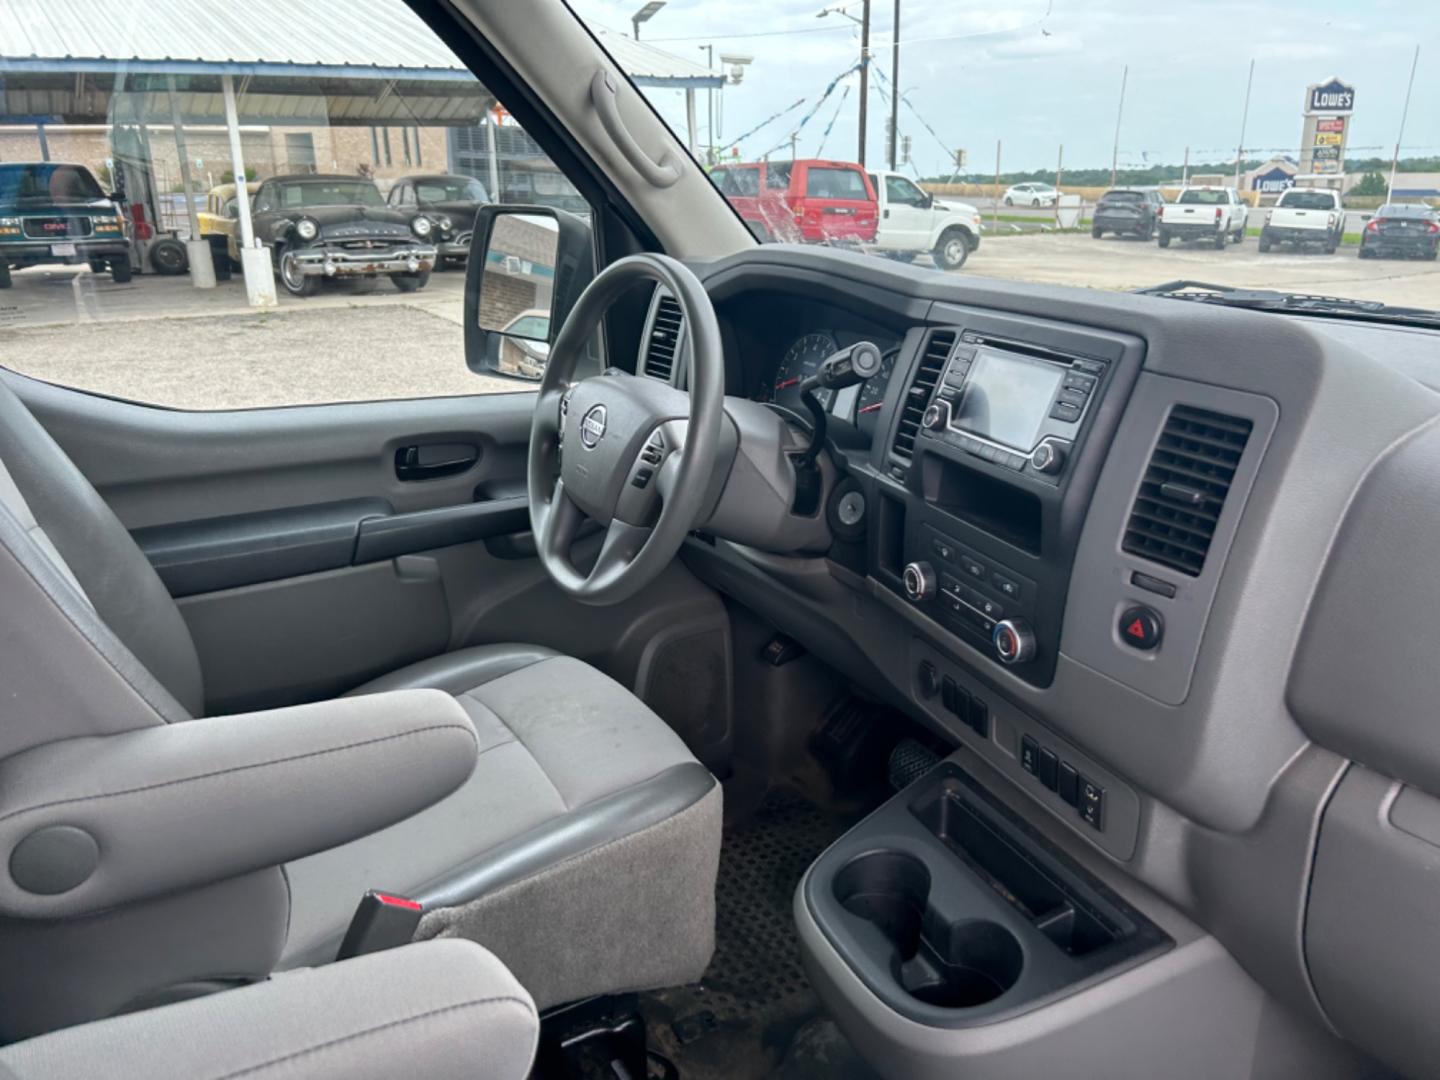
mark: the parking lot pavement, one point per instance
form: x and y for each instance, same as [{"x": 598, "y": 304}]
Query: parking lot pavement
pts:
[
  {"x": 162, "y": 341},
  {"x": 1123, "y": 263}
]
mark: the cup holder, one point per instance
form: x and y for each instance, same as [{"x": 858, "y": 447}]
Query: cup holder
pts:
[{"x": 954, "y": 965}]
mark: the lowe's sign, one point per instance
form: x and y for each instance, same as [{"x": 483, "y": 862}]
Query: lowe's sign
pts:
[{"x": 1330, "y": 97}]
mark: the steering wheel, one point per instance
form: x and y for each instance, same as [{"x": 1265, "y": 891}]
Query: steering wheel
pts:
[{"x": 598, "y": 447}]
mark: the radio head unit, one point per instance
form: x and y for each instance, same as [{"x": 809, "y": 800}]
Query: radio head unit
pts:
[{"x": 1011, "y": 404}]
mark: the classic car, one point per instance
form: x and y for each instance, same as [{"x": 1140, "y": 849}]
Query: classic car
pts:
[
  {"x": 450, "y": 202},
  {"x": 54, "y": 212},
  {"x": 320, "y": 226},
  {"x": 220, "y": 224}
]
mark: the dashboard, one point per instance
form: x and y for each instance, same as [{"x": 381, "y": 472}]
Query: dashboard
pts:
[{"x": 1194, "y": 576}]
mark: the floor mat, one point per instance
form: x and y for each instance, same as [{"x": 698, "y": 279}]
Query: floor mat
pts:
[{"x": 743, "y": 1018}]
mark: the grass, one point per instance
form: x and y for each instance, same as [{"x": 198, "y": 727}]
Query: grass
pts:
[{"x": 1349, "y": 239}]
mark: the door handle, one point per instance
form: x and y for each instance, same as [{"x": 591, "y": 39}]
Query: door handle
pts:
[{"x": 429, "y": 461}]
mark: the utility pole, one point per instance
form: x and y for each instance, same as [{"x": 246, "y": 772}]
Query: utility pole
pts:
[
  {"x": 1185, "y": 170},
  {"x": 864, "y": 74},
  {"x": 710, "y": 105},
  {"x": 1119, "y": 112},
  {"x": 995, "y": 208},
  {"x": 1244, "y": 118},
  {"x": 895, "y": 87},
  {"x": 1404, "y": 113}
]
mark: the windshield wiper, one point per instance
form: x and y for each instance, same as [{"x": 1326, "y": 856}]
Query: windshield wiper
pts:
[{"x": 1202, "y": 292}]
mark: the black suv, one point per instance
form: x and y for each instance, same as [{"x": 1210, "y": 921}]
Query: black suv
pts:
[
  {"x": 1127, "y": 210},
  {"x": 51, "y": 212}
]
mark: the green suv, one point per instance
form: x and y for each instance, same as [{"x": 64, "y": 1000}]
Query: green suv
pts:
[{"x": 51, "y": 212}]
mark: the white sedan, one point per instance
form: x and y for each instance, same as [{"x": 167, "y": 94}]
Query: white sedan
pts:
[{"x": 1031, "y": 194}]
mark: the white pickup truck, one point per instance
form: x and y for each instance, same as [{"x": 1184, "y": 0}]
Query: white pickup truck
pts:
[
  {"x": 1305, "y": 216},
  {"x": 1204, "y": 213},
  {"x": 914, "y": 222}
]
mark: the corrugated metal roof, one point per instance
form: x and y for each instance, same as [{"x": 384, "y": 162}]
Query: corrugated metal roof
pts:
[{"x": 341, "y": 35}]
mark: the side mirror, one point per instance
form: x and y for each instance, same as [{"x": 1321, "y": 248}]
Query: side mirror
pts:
[
  {"x": 528, "y": 265},
  {"x": 927, "y": 200}
]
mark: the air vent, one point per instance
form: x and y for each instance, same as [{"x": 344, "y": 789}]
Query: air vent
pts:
[
  {"x": 664, "y": 339},
  {"x": 932, "y": 363},
  {"x": 1184, "y": 488}
]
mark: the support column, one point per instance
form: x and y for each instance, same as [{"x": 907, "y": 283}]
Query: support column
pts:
[
  {"x": 494, "y": 170},
  {"x": 690, "y": 117},
  {"x": 202, "y": 263},
  {"x": 254, "y": 261}
]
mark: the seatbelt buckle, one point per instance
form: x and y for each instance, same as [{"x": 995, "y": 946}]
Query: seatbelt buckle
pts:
[{"x": 382, "y": 921}]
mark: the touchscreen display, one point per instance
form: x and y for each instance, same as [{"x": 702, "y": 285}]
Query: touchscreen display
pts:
[{"x": 1007, "y": 398}]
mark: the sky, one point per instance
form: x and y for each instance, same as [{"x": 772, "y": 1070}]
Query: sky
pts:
[{"x": 1036, "y": 74}]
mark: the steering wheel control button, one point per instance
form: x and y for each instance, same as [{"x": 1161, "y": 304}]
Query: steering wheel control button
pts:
[
  {"x": 1092, "y": 803},
  {"x": 919, "y": 580},
  {"x": 1029, "y": 755},
  {"x": 1140, "y": 628},
  {"x": 1014, "y": 641}
]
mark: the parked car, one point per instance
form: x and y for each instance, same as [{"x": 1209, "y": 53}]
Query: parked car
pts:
[
  {"x": 1401, "y": 229},
  {"x": 914, "y": 222},
  {"x": 524, "y": 344},
  {"x": 1031, "y": 194},
  {"x": 1204, "y": 213},
  {"x": 1305, "y": 216},
  {"x": 1127, "y": 212},
  {"x": 450, "y": 202},
  {"x": 55, "y": 212},
  {"x": 321, "y": 226},
  {"x": 804, "y": 201},
  {"x": 220, "y": 224}
]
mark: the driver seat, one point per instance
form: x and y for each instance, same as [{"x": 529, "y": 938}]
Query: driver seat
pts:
[{"x": 581, "y": 846}]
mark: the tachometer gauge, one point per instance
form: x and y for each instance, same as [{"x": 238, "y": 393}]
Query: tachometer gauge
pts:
[
  {"x": 801, "y": 361},
  {"x": 872, "y": 394}
]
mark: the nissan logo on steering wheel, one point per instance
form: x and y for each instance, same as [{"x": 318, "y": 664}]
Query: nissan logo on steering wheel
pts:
[{"x": 592, "y": 427}]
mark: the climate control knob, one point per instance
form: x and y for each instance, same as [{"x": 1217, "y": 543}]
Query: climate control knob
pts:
[
  {"x": 919, "y": 578},
  {"x": 1014, "y": 641},
  {"x": 933, "y": 418},
  {"x": 1048, "y": 457}
]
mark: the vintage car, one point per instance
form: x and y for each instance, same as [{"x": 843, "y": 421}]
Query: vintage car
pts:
[
  {"x": 320, "y": 226},
  {"x": 450, "y": 202},
  {"x": 220, "y": 224},
  {"x": 54, "y": 212}
]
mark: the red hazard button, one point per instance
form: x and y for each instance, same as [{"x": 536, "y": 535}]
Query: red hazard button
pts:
[{"x": 1140, "y": 627}]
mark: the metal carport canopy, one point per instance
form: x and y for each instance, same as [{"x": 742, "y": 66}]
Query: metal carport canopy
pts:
[{"x": 337, "y": 62}]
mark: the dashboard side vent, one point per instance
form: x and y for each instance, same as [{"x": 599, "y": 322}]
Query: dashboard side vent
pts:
[
  {"x": 932, "y": 363},
  {"x": 664, "y": 341},
  {"x": 1184, "y": 487}
]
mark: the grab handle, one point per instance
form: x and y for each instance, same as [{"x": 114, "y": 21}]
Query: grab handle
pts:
[{"x": 659, "y": 174}]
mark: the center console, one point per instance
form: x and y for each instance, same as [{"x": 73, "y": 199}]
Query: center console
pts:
[{"x": 994, "y": 448}]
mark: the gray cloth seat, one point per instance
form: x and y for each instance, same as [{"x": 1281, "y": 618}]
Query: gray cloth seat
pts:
[
  {"x": 581, "y": 847},
  {"x": 569, "y": 762}
]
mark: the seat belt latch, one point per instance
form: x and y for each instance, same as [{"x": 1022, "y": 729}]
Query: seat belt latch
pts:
[{"x": 382, "y": 921}]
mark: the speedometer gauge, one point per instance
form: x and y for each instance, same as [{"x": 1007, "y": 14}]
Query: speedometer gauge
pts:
[{"x": 802, "y": 360}]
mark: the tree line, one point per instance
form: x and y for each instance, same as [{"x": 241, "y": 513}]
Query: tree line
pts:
[{"x": 1154, "y": 175}]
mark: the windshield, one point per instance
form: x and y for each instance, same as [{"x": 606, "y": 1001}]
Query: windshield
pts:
[
  {"x": 435, "y": 189},
  {"x": 48, "y": 183},
  {"x": 329, "y": 193},
  {"x": 1020, "y": 120}
]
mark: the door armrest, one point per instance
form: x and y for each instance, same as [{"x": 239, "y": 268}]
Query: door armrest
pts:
[{"x": 89, "y": 823}]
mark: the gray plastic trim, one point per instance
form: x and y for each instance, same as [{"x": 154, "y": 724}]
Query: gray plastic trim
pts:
[{"x": 1100, "y": 589}]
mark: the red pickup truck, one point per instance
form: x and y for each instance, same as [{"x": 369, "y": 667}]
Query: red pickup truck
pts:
[{"x": 808, "y": 200}]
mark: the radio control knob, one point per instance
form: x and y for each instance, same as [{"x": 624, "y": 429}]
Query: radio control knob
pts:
[
  {"x": 1048, "y": 457},
  {"x": 919, "y": 578},
  {"x": 934, "y": 418},
  {"x": 1014, "y": 641}
]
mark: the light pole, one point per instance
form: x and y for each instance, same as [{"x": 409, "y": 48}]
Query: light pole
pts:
[
  {"x": 895, "y": 86},
  {"x": 864, "y": 21},
  {"x": 1404, "y": 112},
  {"x": 1244, "y": 118},
  {"x": 1119, "y": 112},
  {"x": 645, "y": 14},
  {"x": 710, "y": 104}
]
